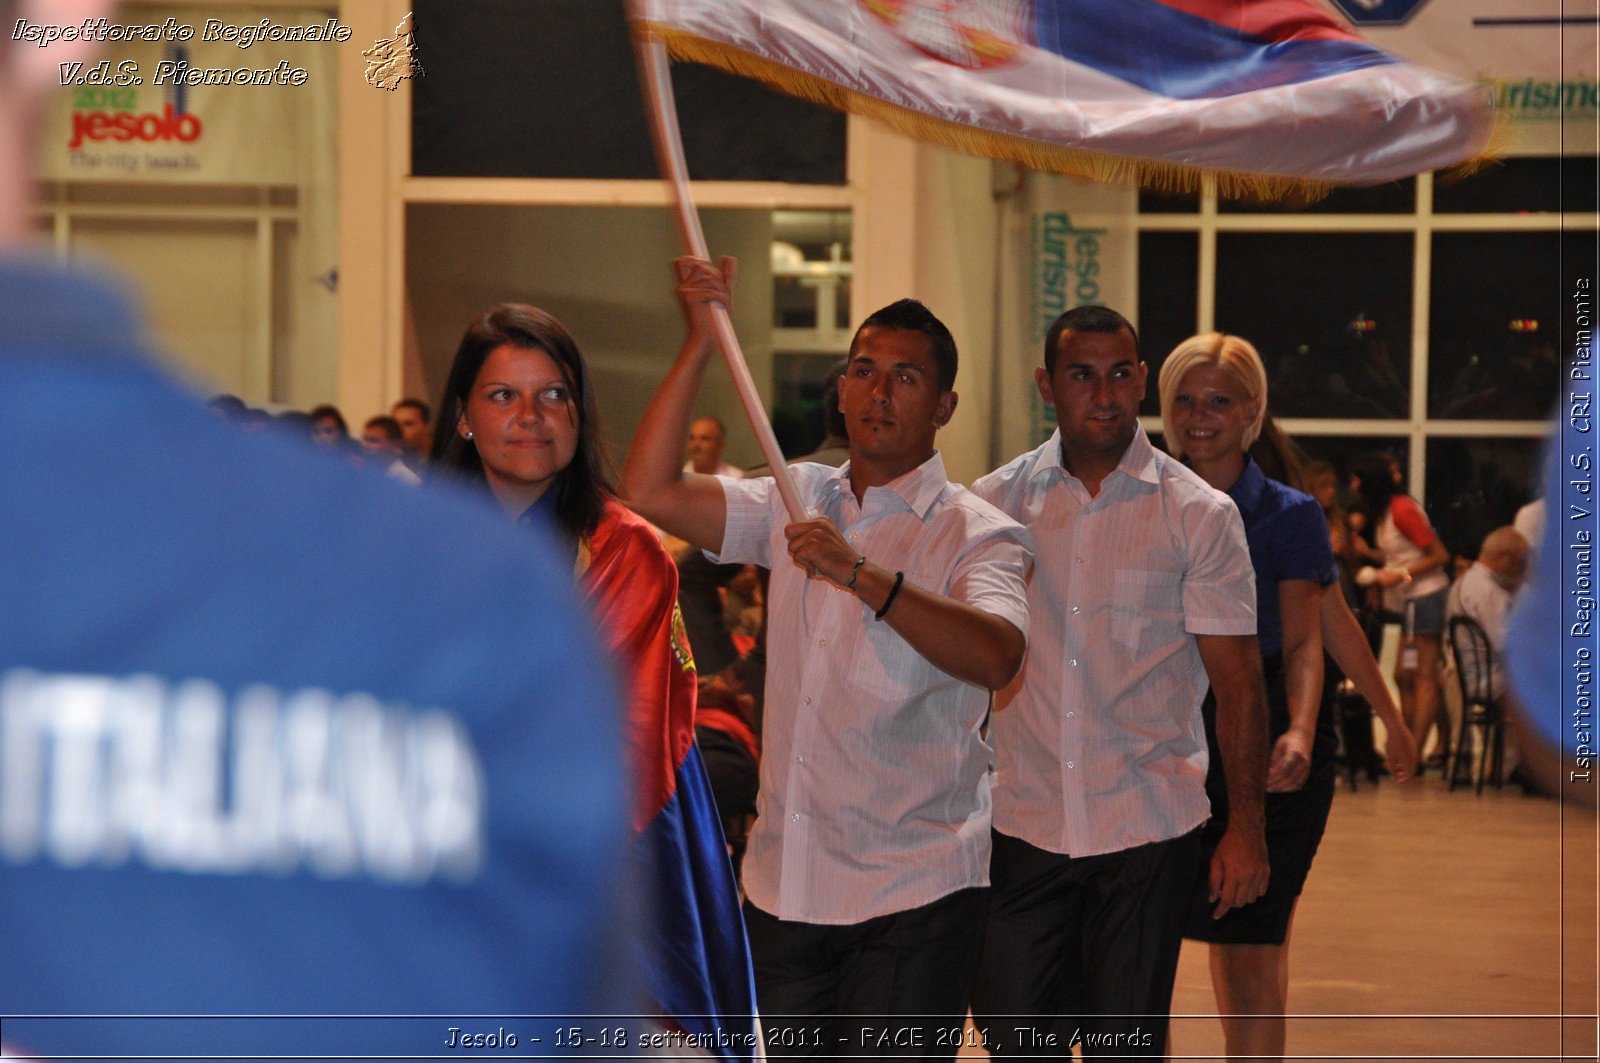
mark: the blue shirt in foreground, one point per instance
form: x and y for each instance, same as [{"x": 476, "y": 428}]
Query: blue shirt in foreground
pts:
[
  {"x": 1551, "y": 648},
  {"x": 278, "y": 736}
]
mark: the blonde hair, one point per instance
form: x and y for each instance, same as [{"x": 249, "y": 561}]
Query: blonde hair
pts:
[{"x": 1213, "y": 348}]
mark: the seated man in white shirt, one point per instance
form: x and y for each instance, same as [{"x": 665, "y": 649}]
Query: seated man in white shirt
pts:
[
  {"x": 898, "y": 609},
  {"x": 707, "y": 437},
  {"x": 1484, "y": 593},
  {"x": 1142, "y": 595}
]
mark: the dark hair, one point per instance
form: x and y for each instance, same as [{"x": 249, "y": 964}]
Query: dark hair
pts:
[
  {"x": 908, "y": 315},
  {"x": 417, "y": 404},
  {"x": 1377, "y": 487},
  {"x": 294, "y": 424},
  {"x": 1090, "y": 318},
  {"x": 388, "y": 425},
  {"x": 584, "y": 485},
  {"x": 325, "y": 411},
  {"x": 228, "y": 407},
  {"x": 1280, "y": 457}
]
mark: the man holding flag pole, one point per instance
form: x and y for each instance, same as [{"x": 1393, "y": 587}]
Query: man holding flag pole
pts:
[
  {"x": 1258, "y": 100},
  {"x": 901, "y": 605}
]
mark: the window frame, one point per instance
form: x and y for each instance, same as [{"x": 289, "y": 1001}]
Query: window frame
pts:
[{"x": 1422, "y": 222}]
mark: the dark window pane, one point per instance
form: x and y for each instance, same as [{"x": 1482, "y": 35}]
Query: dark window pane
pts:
[
  {"x": 799, "y": 415},
  {"x": 794, "y": 303},
  {"x": 1516, "y": 186},
  {"x": 811, "y": 251},
  {"x": 1169, "y": 284},
  {"x": 1495, "y": 338},
  {"x": 1168, "y": 203},
  {"x": 1330, "y": 314},
  {"x": 1344, "y": 453},
  {"x": 548, "y": 89},
  {"x": 1475, "y": 485},
  {"x": 1395, "y": 197}
]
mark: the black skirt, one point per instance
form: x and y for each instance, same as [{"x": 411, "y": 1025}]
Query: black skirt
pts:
[{"x": 1294, "y": 826}]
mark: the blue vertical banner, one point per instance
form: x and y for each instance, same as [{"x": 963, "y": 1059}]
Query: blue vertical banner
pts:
[
  {"x": 1573, "y": 472},
  {"x": 1552, "y": 649}
]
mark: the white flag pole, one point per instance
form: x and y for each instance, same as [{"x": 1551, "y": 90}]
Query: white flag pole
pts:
[{"x": 653, "y": 74}]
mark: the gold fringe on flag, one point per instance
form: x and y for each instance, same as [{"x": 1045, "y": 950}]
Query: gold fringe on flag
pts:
[{"x": 1158, "y": 176}]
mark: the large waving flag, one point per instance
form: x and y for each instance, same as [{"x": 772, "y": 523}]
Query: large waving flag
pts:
[{"x": 1265, "y": 94}]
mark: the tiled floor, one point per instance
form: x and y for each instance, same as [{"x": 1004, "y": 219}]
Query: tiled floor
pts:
[{"x": 1434, "y": 925}]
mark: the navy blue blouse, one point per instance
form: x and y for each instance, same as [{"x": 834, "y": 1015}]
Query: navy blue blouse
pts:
[{"x": 1288, "y": 538}]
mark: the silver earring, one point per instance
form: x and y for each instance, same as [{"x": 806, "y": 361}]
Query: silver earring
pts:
[{"x": 469, "y": 435}]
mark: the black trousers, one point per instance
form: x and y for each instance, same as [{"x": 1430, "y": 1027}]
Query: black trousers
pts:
[
  {"x": 1083, "y": 950},
  {"x": 892, "y": 987}
]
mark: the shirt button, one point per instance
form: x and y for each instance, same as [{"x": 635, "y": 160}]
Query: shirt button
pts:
[
  {"x": 796, "y": 817},
  {"x": 1070, "y": 764},
  {"x": 1080, "y": 560},
  {"x": 822, "y": 642},
  {"x": 799, "y": 759},
  {"x": 1070, "y": 714},
  {"x": 1076, "y": 610},
  {"x": 1073, "y": 662}
]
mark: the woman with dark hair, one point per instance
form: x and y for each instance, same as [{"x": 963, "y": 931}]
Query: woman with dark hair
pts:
[
  {"x": 548, "y": 437},
  {"x": 519, "y": 417},
  {"x": 1414, "y": 586}
]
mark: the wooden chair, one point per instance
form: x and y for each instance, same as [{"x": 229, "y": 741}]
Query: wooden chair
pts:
[{"x": 1480, "y": 709}]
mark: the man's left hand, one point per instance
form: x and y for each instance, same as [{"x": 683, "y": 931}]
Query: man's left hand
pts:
[{"x": 1291, "y": 763}]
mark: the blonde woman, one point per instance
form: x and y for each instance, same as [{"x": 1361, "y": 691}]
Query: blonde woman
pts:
[{"x": 1213, "y": 404}]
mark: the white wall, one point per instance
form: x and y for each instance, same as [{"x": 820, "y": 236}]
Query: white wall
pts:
[{"x": 928, "y": 230}]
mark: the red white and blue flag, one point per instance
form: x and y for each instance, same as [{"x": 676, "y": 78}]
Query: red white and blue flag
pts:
[
  {"x": 1262, "y": 93},
  {"x": 694, "y": 957}
]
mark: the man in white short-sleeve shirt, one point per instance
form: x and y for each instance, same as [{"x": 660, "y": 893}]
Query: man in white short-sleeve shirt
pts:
[
  {"x": 901, "y": 605},
  {"x": 707, "y": 436},
  {"x": 1484, "y": 594},
  {"x": 1142, "y": 596}
]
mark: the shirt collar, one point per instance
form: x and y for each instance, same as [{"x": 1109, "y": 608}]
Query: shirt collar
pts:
[
  {"x": 1138, "y": 461},
  {"x": 918, "y": 489},
  {"x": 1247, "y": 489}
]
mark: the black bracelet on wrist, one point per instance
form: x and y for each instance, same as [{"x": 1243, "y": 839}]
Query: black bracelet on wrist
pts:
[
  {"x": 899, "y": 578},
  {"x": 851, "y": 583}
]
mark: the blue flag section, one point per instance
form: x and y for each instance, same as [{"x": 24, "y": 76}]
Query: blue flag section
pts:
[
  {"x": 698, "y": 964},
  {"x": 1207, "y": 48},
  {"x": 1267, "y": 97}
]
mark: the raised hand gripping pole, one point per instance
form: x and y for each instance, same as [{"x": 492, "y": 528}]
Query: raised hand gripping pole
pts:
[{"x": 652, "y": 57}]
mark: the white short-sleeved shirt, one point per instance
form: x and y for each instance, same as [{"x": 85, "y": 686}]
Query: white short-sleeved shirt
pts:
[
  {"x": 874, "y": 772},
  {"x": 723, "y": 469},
  {"x": 1479, "y": 595},
  {"x": 1102, "y": 748}
]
